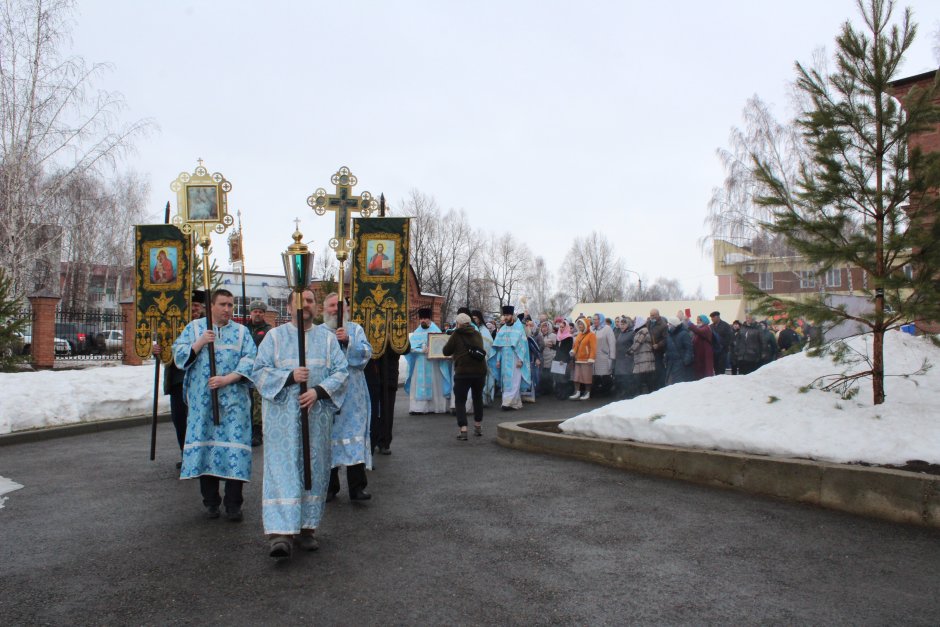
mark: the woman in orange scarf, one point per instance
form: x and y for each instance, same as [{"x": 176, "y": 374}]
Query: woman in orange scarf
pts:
[{"x": 584, "y": 351}]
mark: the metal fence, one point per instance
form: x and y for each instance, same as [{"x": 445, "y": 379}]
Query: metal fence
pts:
[{"x": 89, "y": 335}]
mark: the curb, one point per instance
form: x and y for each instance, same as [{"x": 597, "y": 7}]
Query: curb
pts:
[
  {"x": 79, "y": 428},
  {"x": 887, "y": 494}
]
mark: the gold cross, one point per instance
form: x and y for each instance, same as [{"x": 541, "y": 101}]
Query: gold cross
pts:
[
  {"x": 199, "y": 161},
  {"x": 297, "y": 224},
  {"x": 344, "y": 203}
]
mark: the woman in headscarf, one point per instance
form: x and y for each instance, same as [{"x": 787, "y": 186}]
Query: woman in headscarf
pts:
[
  {"x": 704, "y": 363},
  {"x": 585, "y": 353},
  {"x": 679, "y": 354},
  {"x": 535, "y": 362},
  {"x": 546, "y": 333},
  {"x": 644, "y": 362},
  {"x": 623, "y": 364},
  {"x": 606, "y": 352},
  {"x": 562, "y": 356}
]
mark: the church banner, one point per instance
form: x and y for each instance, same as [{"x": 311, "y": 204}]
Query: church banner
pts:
[
  {"x": 380, "y": 277},
  {"x": 163, "y": 286}
]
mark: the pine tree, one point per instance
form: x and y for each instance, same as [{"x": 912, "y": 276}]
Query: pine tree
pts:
[
  {"x": 863, "y": 197},
  {"x": 12, "y": 325}
]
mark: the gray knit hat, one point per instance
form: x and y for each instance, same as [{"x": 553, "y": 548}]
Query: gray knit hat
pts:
[{"x": 257, "y": 304}]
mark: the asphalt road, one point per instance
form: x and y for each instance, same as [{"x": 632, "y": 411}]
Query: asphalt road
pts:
[{"x": 457, "y": 533}]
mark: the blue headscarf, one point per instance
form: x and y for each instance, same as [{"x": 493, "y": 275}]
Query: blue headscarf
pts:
[{"x": 602, "y": 319}]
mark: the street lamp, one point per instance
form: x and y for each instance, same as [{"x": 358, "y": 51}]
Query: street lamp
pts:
[
  {"x": 298, "y": 262},
  {"x": 639, "y": 281}
]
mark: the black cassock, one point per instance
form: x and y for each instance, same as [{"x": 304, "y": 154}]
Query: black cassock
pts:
[{"x": 382, "y": 379}]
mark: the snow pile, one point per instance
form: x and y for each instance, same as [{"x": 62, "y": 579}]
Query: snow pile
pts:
[
  {"x": 767, "y": 413},
  {"x": 49, "y": 398},
  {"x": 7, "y": 485}
]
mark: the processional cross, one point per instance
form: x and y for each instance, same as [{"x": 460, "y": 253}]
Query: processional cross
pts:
[{"x": 343, "y": 203}]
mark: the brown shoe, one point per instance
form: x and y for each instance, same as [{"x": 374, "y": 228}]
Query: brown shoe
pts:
[
  {"x": 307, "y": 541},
  {"x": 279, "y": 547}
]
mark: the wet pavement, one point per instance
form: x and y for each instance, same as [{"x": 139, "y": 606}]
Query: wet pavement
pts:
[{"x": 457, "y": 533}]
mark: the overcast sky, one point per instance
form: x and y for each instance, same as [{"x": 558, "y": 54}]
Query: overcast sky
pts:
[{"x": 543, "y": 118}]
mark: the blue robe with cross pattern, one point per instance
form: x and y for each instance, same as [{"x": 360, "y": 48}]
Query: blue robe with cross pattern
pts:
[
  {"x": 427, "y": 378},
  {"x": 224, "y": 450},
  {"x": 286, "y": 507},
  {"x": 350, "y": 438}
]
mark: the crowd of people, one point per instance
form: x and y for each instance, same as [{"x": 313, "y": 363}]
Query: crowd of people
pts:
[
  {"x": 617, "y": 358},
  {"x": 235, "y": 386}
]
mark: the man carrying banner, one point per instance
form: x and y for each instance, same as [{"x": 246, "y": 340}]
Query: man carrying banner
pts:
[
  {"x": 287, "y": 510},
  {"x": 214, "y": 452},
  {"x": 428, "y": 383},
  {"x": 173, "y": 377},
  {"x": 350, "y": 437},
  {"x": 511, "y": 358}
]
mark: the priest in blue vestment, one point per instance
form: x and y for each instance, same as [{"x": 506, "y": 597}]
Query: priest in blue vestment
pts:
[
  {"x": 429, "y": 381},
  {"x": 350, "y": 439},
  {"x": 511, "y": 358},
  {"x": 287, "y": 510},
  {"x": 215, "y": 452}
]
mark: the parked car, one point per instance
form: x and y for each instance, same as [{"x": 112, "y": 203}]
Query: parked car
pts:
[
  {"x": 62, "y": 346},
  {"x": 112, "y": 339},
  {"x": 79, "y": 340},
  {"x": 15, "y": 346}
]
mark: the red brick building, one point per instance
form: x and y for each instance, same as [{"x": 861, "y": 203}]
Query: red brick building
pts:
[
  {"x": 791, "y": 277},
  {"x": 926, "y": 141}
]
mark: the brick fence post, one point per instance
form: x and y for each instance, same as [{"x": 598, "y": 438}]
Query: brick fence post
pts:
[
  {"x": 42, "y": 345},
  {"x": 129, "y": 309}
]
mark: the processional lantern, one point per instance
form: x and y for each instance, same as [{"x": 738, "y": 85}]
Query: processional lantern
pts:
[
  {"x": 298, "y": 266},
  {"x": 202, "y": 204},
  {"x": 298, "y": 263}
]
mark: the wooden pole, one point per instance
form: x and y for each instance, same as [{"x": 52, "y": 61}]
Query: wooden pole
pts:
[
  {"x": 156, "y": 392},
  {"x": 241, "y": 256},
  {"x": 216, "y": 420},
  {"x": 304, "y": 413},
  {"x": 156, "y": 369}
]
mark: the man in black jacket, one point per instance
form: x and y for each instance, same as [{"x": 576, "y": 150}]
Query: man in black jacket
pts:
[
  {"x": 469, "y": 373},
  {"x": 723, "y": 330},
  {"x": 749, "y": 346}
]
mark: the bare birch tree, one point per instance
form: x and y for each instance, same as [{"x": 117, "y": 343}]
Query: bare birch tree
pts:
[
  {"x": 425, "y": 218},
  {"x": 507, "y": 266},
  {"x": 540, "y": 287},
  {"x": 593, "y": 271},
  {"x": 55, "y": 127},
  {"x": 733, "y": 215}
]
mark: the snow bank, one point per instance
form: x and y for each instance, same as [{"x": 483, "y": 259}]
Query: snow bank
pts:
[
  {"x": 7, "y": 485},
  {"x": 766, "y": 413},
  {"x": 31, "y": 400}
]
